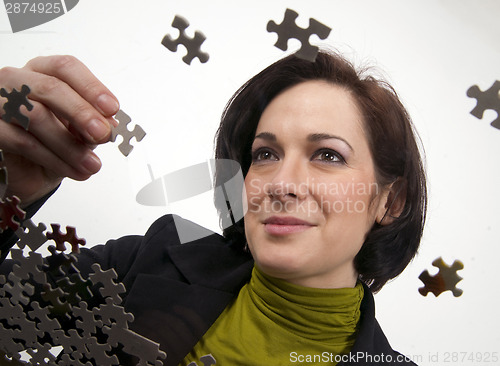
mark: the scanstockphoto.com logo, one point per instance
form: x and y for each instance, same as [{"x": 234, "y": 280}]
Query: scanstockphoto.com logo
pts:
[{"x": 26, "y": 14}]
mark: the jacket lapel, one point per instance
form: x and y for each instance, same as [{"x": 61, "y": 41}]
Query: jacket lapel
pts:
[{"x": 212, "y": 274}]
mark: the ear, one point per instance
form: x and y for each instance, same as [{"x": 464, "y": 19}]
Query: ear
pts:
[{"x": 392, "y": 202}]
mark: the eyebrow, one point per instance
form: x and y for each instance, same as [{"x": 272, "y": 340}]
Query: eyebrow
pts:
[
  {"x": 325, "y": 136},
  {"x": 314, "y": 137}
]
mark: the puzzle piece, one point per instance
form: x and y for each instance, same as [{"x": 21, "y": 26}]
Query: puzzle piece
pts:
[
  {"x": 289, "y": 29},
  {"x": 109, "y": 289},
  {"x": 23, "y": 328},
  {"x": 75, "y": 288},
  {"x": 55, "y": 296},
  {"x": 45, "y": 324},
  {"x": 122, "y": 130},
  {"x": 135, "y": 345},
  {"x": 16, "y": 289},
  {"x": 42, "y": 355},
  {"x": 25, "y": 324},
  {"x": 88, "y": 323},
  {"x": 31, "y": 235},
  {"x": 3, "y": 177},
  {"x": 67, "y": 360},
  {"x": 111, "y": 313},
  {"x": 9, "y": 211},
  {"x": 59, "y": 264},
  {"x": 72, "y": 342},
  {"x": 6, "y": 361},
  {"x": 16, "y": 99},
  {"x": 99, "y": 352},
  {"x": 208, "y": 360},
  {"x": 489, "y": 99},
  {"x": 8, "y": 347},
  {"x": 192, "y": 45},
  {"x": 445, "y": 280},
  {"x": 69, "y": 237},
  {"x": 28, "y": 266}
]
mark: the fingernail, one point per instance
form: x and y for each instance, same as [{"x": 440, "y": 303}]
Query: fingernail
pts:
[
  {"x": 107, "y": 104},
  {"x": 97, "y": 130},
  {"x": 91, "y": 163}
]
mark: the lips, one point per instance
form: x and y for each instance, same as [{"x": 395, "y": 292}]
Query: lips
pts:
[{"x": 277, "y": 225}]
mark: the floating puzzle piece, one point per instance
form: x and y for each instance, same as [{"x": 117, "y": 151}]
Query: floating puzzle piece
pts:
[
  {"x": 16, "y": 99},
  {"x": 289, "y": 29},
  {"x": 3, "y": 177},
  {"x": 445, "y": 280},
  {"x": 33, "y": 237},
  {"x": 70, "y": 237},
  {"x": 9, "y": 211},
  {"x": 489, "y": 99},
  {"x": 127, "y": 135},
  {"x": 192, "y": 45}
]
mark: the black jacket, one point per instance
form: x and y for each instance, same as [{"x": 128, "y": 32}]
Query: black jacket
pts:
[{"x": 177, "y": 291}]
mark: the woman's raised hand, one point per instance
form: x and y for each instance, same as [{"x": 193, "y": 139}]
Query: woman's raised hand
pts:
[{"x": 72, "y": 114}]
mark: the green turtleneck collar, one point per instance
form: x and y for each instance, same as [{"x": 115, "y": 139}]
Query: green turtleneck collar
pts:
[{"x": 272, "y": 321}]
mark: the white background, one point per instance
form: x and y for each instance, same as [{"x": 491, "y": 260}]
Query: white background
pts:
[{"x": 431, "y": 51}]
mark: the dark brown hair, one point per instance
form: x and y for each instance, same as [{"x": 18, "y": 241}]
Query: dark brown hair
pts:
[{"x": 388, "y": 248}]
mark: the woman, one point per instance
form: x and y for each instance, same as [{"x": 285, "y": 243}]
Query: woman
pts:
[{"x": 335, "y": 198}]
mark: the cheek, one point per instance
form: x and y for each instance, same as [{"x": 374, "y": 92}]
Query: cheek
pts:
[
  {"x": 350, "y": 199},
  {"x": 255, "y": 191}
]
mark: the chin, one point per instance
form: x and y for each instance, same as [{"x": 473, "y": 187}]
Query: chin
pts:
[{"x": 281, "y": 264}]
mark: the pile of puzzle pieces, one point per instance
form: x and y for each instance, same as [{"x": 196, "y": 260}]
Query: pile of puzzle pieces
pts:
[{"x": 41, "y": 293}]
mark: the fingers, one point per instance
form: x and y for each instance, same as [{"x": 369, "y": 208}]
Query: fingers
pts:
[
  {"x": 67, "y": 88},
  {"x": 55, "y": 150},
  {"x": 80, "y": 78},
  {"x": 72, "y": 114}
]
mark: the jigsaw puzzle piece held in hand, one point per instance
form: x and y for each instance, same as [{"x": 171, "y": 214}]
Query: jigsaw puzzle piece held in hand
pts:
[
  {"x": 192, "y": 45},
  {"x": 11, "y": 215},
  {"x": 122, "y": 130},
  {"x": 489, "y": 99},
  {"x": 445, "y": 280},
  {"x": 16, "y": 99},
  {"x": 289, "y": 29}
]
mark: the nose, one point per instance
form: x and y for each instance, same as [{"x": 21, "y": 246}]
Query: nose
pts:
[{"x": 289, "y": 181}]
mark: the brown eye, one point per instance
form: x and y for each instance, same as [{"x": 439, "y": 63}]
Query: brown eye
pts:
[
  {"x": 328, "y": 156},
  {"x": 263, "y": 155}
]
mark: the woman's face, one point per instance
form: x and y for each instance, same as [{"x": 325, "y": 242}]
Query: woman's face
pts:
[{"x": 311, "y": 190}]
